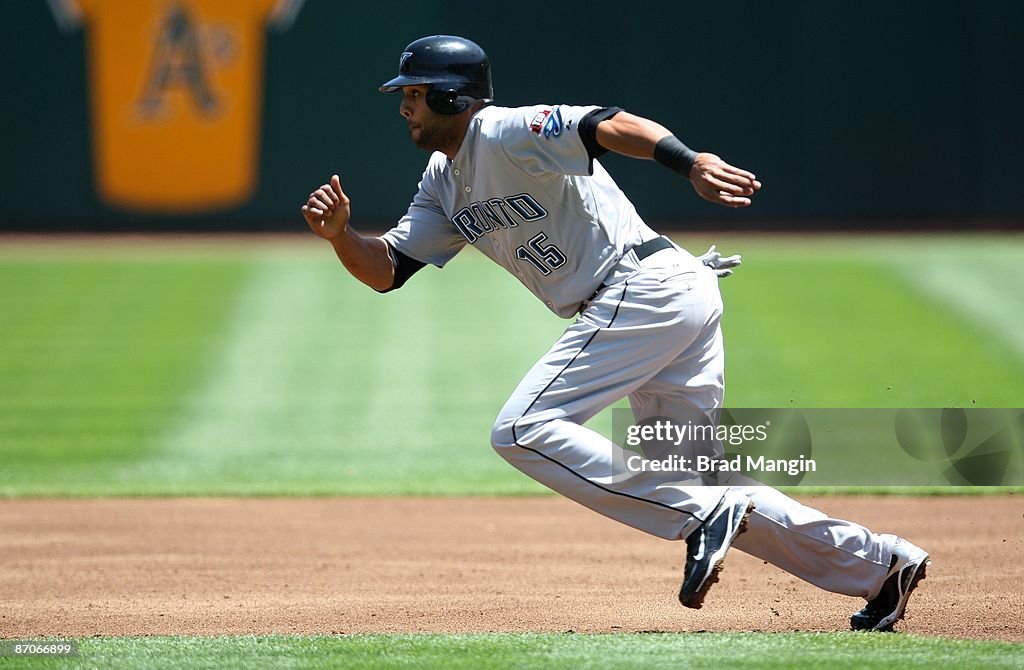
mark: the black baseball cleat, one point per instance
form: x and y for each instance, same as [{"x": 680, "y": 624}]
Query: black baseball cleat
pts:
[
  {"x": 907, "y": 568},
  {"x": 707, "y": 545}
]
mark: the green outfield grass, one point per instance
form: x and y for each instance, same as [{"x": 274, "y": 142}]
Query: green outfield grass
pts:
[
  {"x": 178, "y": 368},
  {"x": 836, "y": 651}
]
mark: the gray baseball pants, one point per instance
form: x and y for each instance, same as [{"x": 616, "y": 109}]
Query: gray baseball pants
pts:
[{"x": 652, "y": 333}]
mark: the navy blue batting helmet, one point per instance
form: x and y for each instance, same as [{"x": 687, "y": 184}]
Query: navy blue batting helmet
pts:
[{"x": 456, "y": 69}]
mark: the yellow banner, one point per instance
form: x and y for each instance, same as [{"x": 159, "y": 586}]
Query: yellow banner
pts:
[{"x": 176, "y": 92}]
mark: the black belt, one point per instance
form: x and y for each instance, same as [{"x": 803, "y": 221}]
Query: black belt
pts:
[
  {"x": 652, "y": 247},
  {"x": 642, "y": 251}
]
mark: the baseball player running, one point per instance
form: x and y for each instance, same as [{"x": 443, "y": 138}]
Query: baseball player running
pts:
[{"x": 524, "y": 186}]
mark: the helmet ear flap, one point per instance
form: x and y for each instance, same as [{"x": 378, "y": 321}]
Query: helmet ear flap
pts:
[{"x": 446, "y": 101}]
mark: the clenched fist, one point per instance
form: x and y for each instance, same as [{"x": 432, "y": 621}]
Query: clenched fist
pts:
[{"x": 327, "y": 210}]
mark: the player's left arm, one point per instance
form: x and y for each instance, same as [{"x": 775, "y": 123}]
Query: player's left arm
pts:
[{"x": 712, "y": 178}]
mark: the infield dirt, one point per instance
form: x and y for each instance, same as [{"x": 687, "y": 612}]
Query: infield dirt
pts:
[{"x": 208, "y": 566}]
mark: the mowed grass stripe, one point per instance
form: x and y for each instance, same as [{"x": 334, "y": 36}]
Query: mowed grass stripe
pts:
[
  {"x": 96, "y": 356},
  {"x": 980, "y": 282},
  {"x": 244, "y": 413},
  {"x": 306, "y": 386},
  {"x": 861, "y": 651}
]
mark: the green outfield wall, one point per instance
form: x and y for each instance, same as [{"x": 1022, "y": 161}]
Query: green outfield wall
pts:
[{"x": 221, "y": 115}]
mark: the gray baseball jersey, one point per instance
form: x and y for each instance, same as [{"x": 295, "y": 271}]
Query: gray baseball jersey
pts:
[{"x": 523, "y": 190}]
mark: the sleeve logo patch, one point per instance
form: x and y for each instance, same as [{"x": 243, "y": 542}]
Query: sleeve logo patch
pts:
[
  {"x": 553, "y": 126},
  {"x": 547, "y": 122}
]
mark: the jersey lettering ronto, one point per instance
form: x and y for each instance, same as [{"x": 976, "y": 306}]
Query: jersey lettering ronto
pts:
[{"x": 523, "y": 190}]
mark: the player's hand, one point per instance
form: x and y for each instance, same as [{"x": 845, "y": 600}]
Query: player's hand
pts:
[
  {"x": 721, "y": 183},
  {"x": 715, "y": 261},
  {"x": 327, "y": 210}
]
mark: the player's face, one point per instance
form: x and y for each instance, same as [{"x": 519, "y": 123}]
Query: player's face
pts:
[{"x": 428, "y": 129}]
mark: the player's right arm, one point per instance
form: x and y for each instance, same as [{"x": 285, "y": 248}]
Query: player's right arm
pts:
[{"x": 327, "y": 212}]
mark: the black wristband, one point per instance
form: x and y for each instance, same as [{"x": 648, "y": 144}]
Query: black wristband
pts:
[{"x": 674, "y": 155}]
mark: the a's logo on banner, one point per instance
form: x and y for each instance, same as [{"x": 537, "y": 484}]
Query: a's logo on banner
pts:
[{"x": 180, "y": 60}]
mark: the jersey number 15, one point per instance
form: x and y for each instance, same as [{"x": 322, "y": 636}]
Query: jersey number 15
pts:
[{"x": 544, "y": 257}]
